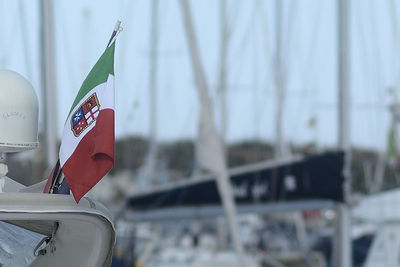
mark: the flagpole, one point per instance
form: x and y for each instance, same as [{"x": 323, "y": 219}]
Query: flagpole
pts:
[
  {"x": 114, "y": 34},
  {"x": 49, "y": 91}
]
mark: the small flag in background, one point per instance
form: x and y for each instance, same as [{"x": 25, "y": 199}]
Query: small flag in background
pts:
[{"x": 87, "y": 142}]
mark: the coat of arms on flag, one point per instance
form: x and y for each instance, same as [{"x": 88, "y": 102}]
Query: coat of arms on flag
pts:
[{"x": 85, "y": 115}]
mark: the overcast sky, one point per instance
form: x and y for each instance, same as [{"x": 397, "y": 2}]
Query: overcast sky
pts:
[{"x": 309, "y": 47}]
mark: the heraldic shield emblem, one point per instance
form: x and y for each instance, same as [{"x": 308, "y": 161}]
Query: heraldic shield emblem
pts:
[{"x": 85, "y": 115}]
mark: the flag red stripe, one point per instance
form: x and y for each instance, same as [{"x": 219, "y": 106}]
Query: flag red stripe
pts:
[{"x": 93, "y": 157}]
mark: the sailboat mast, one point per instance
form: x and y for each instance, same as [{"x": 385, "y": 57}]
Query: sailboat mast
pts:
[
  {"x": 222, "y": 73},
  {"x": 279, "y": 84},
  {"x": 213, "y": 159},
  {"x": 343, "y": 70},
  {"x": 153, "y": 72},
  {"x": 48, "y": 78},
  {"x": 147, "y": 175},
  {"x": 153, "y": 89},
  {"x": 343, "y": 246}
]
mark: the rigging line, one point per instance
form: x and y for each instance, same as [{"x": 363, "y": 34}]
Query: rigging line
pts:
[
  {"x": 138, "y": 93},
  {"x": 258, "y": 100},
  {"x": 25, "y": 39},
  {"x": 223, "y": 72},
  {"x": 268, "y": 50},
  {"x": 234, "y": 18},
  {"x": 395, "y": 30},
  {"x": 242, "y": 47},
  {"x": 244, "y": 40},
  {"x": 287, "y": 42},
  {"x": 310, "y": 65},
  {"x": 163, "y": 18},
  {"x": 377, "y": 53},
  {"x": 316, "y": 33},
  {"x": 364, "y": 54},
  {"x": 366, "y": 64},
  {"x": 68, "y": 56},
  {"x": 170, "y": 95},
  {"x": 377, "y": 69},
  {"x": 256, "y": 79},
  {"x": 190, "y": 114},
  {"x": 141, "y": 89},
  {"x": 128, "y": 10},
  {"x": 143, "y": 83},
  {"x": 269, "y": 60}
]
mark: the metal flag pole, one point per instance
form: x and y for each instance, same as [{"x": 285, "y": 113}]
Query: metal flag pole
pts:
[
  {"x": 117, "y": 30},
  {"x": 49, "y": 87}
]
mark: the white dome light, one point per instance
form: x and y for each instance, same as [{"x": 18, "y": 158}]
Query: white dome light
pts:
[{"x": 18, "y": 113}]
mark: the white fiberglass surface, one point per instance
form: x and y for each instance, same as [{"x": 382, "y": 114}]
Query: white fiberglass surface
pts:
[{"x": 17, "y": 245}]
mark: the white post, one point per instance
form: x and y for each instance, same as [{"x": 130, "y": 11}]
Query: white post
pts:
[
  {"x": 342, "y": 246},
  {"x": 49, "y": 90}
]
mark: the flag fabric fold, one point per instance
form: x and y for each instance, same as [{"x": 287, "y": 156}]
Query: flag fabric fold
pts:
[{"x": 88, "y": 139}]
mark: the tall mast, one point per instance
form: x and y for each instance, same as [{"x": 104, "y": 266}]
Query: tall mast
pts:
[
  {"x": 222, "y": 73},
  {"x": 343, "y": 71},
  {"x": 24, "y": 36},
  {"x": 153, "y": 72},
  {"x": 210, "y": 154},
  {"x": 148, "y": 171},
  {"x": 153, "y": 87},
  {"x": 48, "y": 80},
  {"x": 343, "y": 246},
  {"x": 280, "y": 150}
]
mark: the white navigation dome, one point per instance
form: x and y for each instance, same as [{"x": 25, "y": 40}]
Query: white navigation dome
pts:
[{"x": 18, "y": 113}]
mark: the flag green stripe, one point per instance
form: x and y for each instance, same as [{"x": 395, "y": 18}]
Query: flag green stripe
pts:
[{"x": 98, "y": 74}]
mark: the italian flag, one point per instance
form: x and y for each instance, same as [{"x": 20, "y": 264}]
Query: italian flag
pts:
[{"x": 87, "y": 142}]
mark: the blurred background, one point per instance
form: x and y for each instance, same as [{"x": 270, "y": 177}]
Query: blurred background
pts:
[{"x": 284, "y": 79}]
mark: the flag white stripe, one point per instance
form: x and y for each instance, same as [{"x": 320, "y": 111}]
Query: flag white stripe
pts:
[{"x": 105, "y": 95}]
